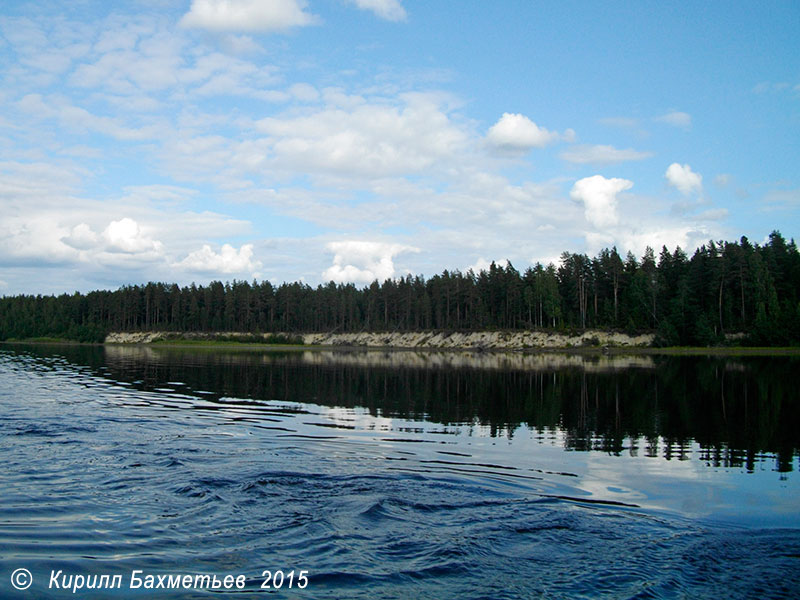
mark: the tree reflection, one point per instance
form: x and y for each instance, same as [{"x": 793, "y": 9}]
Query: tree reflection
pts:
[{"x": 740, "y": 411}]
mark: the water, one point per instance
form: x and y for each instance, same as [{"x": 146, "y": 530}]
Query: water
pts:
[{"x": 401, "y": 475}]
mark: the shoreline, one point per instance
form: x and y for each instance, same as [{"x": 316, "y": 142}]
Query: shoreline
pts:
[
  {"x": 418, "y": 340},
  {"x": 588, "y": 343}
]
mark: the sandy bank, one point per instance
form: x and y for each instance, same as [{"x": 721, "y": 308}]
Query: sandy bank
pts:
[
  {"x": 507, "y": 340},
  {"x": 494, "y": 340}
]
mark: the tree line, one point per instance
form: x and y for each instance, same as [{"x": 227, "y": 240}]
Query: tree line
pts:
[{"x": 724, "y": 288}]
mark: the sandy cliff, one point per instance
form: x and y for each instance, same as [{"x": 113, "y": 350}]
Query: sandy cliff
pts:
[
  {"x": 513, "y": 340},
  {"x": 510, "y": 340}
]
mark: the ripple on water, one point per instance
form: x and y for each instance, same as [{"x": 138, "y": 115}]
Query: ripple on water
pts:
[{"x": 172, "y": 482}]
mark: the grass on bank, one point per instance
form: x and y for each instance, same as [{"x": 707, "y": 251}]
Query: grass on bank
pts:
[
  {"x": 41, "y": 340},
  {"x": 254, "y": 342},
  {"x": 710, "y": 350},
  {"x": 227, "y": 340}
]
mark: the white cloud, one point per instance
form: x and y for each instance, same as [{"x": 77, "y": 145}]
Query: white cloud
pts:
[
  {"x": 81, "y": 237},
  {"x": 52, "y": 239},
  {"x": 304, "y": 92},
  {"x": 227, "y": 261},
  {"x": 125, "y": 236},
  {"x": 163, "y": 194},
  {"x": 356, "y": 261},
  {"x": 362, "y": 161},
  {"x": 366, "y": 139},
  {"x": 713, "y": 214},
  {"x": 684, "y": 179},
  {"x": 151, "y": 65},
  {"x": 33, "y": 239},
  {"x": 596, "y": 241},
  {"x": 247, "y": 15},
  {"x": 676, "y": 118},
  {"x": 786, "y": 199},
  {"x": 79, "y": 120},
  {"x": 687, "y": 237},
  {"x": 38, "y": 182},
  {"x": 46, "y": 50},
  {"x": 722, "y": 180},
  {"x": 484, "y": 265},
  {"x": 241, "y": 44},
  {"x": 461, "y": 219},
  {"x": 516, "y": 133},
  {"x": 599, "y": 196},
  {"x": 602, "y": 155},
  {"x": 391, "y": 10},
  {"x": 155, "y": 60}
]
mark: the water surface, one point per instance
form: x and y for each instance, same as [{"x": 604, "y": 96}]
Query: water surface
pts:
[{"x": 397, "y": 475}]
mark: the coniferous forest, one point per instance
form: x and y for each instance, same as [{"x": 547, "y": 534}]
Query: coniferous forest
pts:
[{"x": 723, "y": 288}]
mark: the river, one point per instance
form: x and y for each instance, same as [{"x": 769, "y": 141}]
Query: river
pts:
[{"x": 371, "y": 474}]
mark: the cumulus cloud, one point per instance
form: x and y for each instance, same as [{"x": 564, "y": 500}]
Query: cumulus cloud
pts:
[
  {"x": 599, "y": 197},
  {"x": 684, "y": 179},
  {"x": 676, "y": 118},
  {"x": 33, "y": 238},
  {"x": 516, "y": 133},
  {"x": 247, "y": 15},
  {"x": 81, "y": 237},
  {"x": 356, "y": 261},
  {"x": 391, "y": 10},
  {"x": 602, "y": 155},
  {"x": 125, "y": 236},
  {"x": 227, "y": 261}
]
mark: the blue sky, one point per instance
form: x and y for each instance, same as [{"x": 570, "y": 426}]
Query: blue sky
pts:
[{"x": 348, "y": 140}]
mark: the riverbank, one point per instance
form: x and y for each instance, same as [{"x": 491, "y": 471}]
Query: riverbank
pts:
[
  {"x": 587, "y": 342},
  {"x": 475, "y": 340},
  {"x": 482, "y": 340}
]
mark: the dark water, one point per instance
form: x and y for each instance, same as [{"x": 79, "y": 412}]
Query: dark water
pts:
[{"x": 401, "y": 475}]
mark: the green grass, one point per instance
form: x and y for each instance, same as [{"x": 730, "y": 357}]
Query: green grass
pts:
[
  {"x": 230, "y": 340},
  {"x": 711, "y": 350},
  {"x": 41, "y": 340},
  {"x": 224, "y": 344}
]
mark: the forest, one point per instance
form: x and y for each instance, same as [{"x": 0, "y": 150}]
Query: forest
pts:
[{"x": 725, "y": 290}]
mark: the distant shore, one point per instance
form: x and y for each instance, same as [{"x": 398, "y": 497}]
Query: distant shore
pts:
[{"x": 589, "y": 341}]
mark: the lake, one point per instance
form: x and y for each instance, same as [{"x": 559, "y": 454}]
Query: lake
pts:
[{"x": 370, "y": 474}]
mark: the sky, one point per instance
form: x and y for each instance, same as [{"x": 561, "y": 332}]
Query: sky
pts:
[{"x": 353, "y": 140}]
